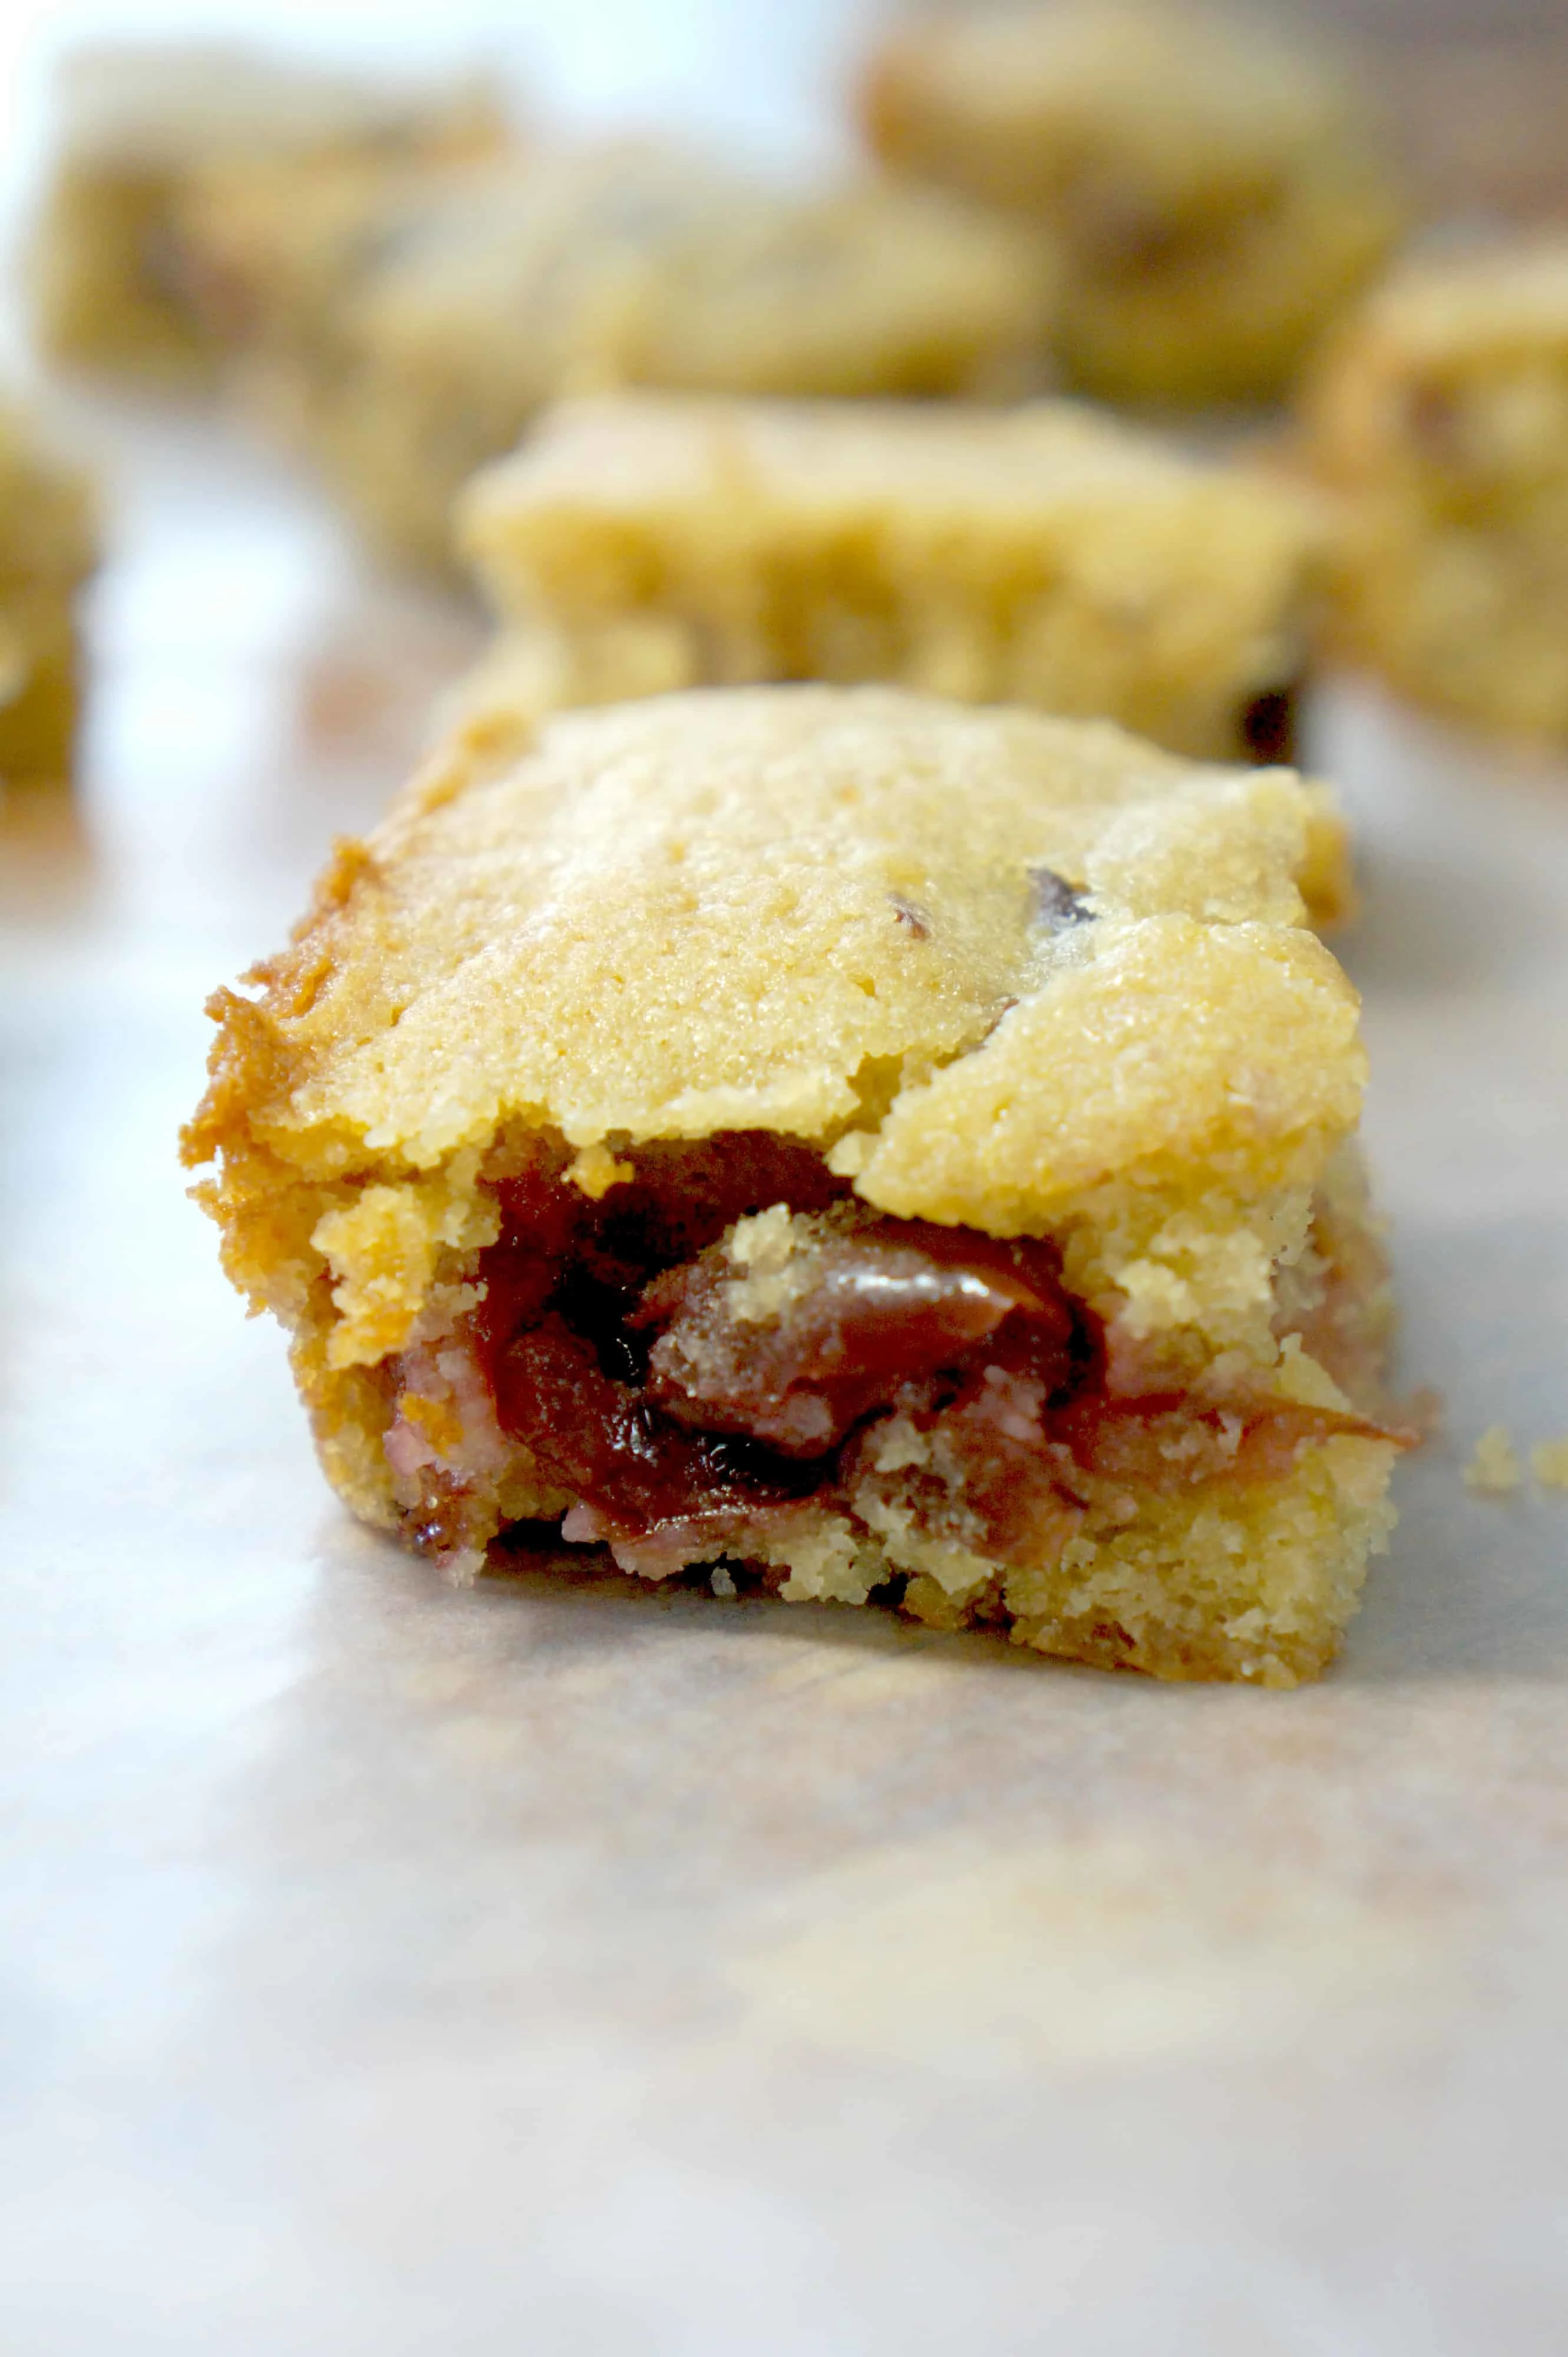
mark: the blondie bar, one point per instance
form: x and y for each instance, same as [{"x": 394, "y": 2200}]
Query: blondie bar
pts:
[
  {"x": 466, "y": 310},
  {"x": 892, "y": 1152},
  {"x": 1043, "y": 555},
  {"x": 1440, "y": 417},
  {"x": 1215, "y": 191},
  {"x": 140, "y": 126},
  {"x": 47, "y": 548}
]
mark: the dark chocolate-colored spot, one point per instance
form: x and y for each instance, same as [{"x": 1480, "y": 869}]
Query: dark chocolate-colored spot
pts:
[
  {"x": 912, "y": 919},
  {"x": 1269, "y": 725},
  {"x": 1055, "y": 903}
]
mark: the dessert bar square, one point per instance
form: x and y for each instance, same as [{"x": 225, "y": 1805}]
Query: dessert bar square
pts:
[
  {"x": 476, "y": 300},
  {"x": 889, "y": 1152},
  {"x": 48, "y": 549},
  {"x": 1216, "y": 189},
  {"x": 140, "y": 123},
  {"x": 1440, "y": 418},
  {"x": 1044, "y": 556}
]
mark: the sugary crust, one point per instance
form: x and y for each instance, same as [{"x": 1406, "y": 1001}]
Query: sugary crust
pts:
[
  {"x": 633, "y": 264},
  {"x": 501, "y": 943},
  {"x": 1042, "y": 555},
  {"x": 1215, "y": 190},
  {"x": 1023, "y": 975},
  {"x": 1439, "y": 417}
]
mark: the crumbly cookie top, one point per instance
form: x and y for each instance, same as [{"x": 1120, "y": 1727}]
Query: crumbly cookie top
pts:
[{"x": 989, "y": 959}]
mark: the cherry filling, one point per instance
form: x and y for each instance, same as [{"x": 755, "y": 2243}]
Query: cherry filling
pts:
[
  {"x": 879, "y": 1310},
  {"x": 614, "y": 1353},
  {"x": 608, "y": 1442},
  {"x": 676, "y": 1375}
]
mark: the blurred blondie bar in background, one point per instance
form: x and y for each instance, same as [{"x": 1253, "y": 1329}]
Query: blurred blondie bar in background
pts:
[
  {"x": 1045, "y": 554},
  {"x": 1473, "y": 92},
  {"x": 140, "y": 124},
  {"x": 1439, "y": 420},
  {"x": 1218, "y": 188}
]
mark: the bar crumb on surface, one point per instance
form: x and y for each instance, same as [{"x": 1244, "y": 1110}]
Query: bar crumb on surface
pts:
[
  {"x": 1495, "y": 1467},
  {"x": 1549, "y": 1463}
]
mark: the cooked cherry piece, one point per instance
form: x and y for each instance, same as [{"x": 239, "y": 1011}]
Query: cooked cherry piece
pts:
[{"x": 885, "y": 1307}]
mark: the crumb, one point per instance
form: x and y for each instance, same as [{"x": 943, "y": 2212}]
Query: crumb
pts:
[
  {"x": 1549, "y": 1463},
  {"x": 720, "y": 1582},
  {"x": 1494, "y": 1467},
  {"x": 596, "y": 1171}
]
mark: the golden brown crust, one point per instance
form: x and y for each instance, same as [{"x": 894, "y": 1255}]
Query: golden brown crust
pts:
[{"x": 550, "y": 995}]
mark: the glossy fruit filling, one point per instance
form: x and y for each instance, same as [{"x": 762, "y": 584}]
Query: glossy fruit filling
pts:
[
  {"x": 724, "y": 1340},
  {"x": 614, "y": 1355}
]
